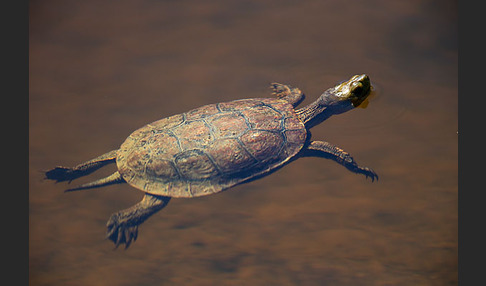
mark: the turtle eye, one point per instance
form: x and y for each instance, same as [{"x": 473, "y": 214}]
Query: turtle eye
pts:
[{"x": 358, "y": 89}]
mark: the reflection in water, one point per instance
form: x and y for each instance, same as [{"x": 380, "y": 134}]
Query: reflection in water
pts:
[{"x": 97, "y": 72}]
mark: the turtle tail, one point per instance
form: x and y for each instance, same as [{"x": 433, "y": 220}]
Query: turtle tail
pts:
[{"x": 114, "y": 178}]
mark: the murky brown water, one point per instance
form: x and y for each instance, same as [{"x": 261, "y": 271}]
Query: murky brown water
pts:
[{"x": 101, "y": 69}]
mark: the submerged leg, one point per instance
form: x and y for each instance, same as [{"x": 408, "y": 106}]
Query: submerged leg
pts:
[
  {"x": 122, "y": 227},
  {"x": 60, "y": 174},
  {"x": 329, "y": 151},
  {"x": 114, "y": 178},
  {"x": 292, "y": 94}
]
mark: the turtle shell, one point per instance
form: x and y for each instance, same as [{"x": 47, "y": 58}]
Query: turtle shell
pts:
[{"x": 211, "y": 148}]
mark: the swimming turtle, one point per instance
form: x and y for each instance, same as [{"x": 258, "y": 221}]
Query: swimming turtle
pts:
[{"x": 217, "y": 146}]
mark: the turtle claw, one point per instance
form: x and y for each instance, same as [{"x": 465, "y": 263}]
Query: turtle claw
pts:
[
  {"x": 368, "y": 173},
  {"x": 120, "y": 232}
]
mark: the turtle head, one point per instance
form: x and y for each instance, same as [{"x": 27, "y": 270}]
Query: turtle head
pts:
[{"x": 346, "y": 95}]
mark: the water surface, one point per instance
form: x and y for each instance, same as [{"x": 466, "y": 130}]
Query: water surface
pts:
[{"x": 99, "y": 70}]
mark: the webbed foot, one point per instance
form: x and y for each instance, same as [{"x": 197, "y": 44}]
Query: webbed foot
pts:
[
  {"x": 61, "y": 174},
  {"x": 280, "y": 90},
  {"x": 122, "y": 227},
  {"x": 120, "y": 232},
  {"x": 292, "y": 94}
]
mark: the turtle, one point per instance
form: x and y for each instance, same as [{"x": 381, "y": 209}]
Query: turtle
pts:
[{"x": 217, "y": 146}]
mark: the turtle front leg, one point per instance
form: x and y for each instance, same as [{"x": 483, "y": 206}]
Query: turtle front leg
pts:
[
  {"x": 61, "y": 174},
  {"x": 122, "y": 227},
  {"x": 292, "y": 94},
  {"x": 329, "y": 151}
]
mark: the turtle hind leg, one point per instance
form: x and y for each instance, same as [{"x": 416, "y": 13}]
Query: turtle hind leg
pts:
[
  {"x": 114, "y": 178},
  {"x": 61, "y": 174},
  {"x": 329, "y": 151},
  {"x": 122, "y": 227},
  {"x": 292, "y": 94}
]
